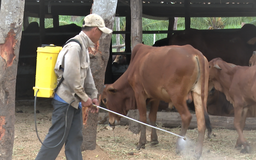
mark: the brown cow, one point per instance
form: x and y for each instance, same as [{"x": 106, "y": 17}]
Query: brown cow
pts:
[
  {"x": 234, "y": 46},
  {"x": 238, "y": 83},
  {"x": 169, "y": 74}
]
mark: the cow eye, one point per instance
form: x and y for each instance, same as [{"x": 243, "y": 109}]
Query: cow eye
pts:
[
  {"x": 112, "y": 90},
  {"x": 104, "y": 100}
]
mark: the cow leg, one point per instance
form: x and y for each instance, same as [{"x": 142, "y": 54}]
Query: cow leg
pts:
[
  {"x": 238, "y": 125},
  {"x": 199, "y": 109},
  {"x": 141, "y": 104},
  {"x": 244, "y": 115},
  {"x": 181, "y": 107},
  {"x": 246, "y": 145},
  {"x": 239, "y": 122},
  {"x": 152, "y": 118},
  {"x": 238, "y": 142}
]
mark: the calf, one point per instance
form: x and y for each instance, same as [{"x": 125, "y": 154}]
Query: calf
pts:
[
  {"x": 238, "y": 83},
  {"x": 169, "y": 73}
]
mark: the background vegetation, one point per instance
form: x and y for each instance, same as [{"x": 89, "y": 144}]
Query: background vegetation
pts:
[{"x": 162, "y": 25}]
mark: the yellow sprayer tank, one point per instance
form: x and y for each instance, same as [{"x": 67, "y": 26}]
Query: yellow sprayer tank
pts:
[{"x": 46, "y": 79}]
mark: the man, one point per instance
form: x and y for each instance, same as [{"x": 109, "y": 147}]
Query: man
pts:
[{"x": 76, "y": 90}]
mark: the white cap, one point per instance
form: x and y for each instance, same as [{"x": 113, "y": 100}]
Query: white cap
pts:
[{"x": 94, "y": 20}]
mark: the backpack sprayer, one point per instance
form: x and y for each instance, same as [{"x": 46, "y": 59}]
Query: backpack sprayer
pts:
[{"x": 46, "y": 82}]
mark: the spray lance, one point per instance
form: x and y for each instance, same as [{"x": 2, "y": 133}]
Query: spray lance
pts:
[{"x": 184, "y": 138}]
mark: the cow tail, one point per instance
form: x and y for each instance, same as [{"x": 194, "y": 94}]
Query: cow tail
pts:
[{"x": 204, "y": 91}]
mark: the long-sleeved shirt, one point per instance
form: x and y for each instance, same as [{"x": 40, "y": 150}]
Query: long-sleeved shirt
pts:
[{"x": 78, "y": 82}]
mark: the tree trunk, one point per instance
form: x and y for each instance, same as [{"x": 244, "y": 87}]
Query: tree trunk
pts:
[
  {"x": 136, "y": 22},
  {"x": 11, "y": 21},
  {"x": 175, "y": 23},
  {"x": 117, "y": 20},
  {"x": 106, "y": 9},
  {"x": 136, "y": 37}
]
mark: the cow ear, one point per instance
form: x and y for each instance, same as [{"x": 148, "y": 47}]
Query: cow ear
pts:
[
  {"x": 254, "y": 53},
  {"x": 217, "y": 66}
]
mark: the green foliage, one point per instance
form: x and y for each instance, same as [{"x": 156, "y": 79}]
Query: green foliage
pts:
[
  {"x": 122, "y": 28},
  {"x": 160, "y": 25},
  {"x": 63, "y": 20},
  {"x": 153, "y": 25},
  {"x": 221, "y": 22}
]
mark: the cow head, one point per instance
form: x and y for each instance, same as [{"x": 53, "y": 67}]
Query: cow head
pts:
[
  {"x": 214, "y": 69},
  {"x": 252, "y": 60},
  {"x": 118, "y": 100},
  {"x": 119, "y": 59},
  {"x": 219, "y": 73}
]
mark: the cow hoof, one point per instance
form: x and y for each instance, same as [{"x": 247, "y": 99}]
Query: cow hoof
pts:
[
  {"x": 140, "y": 146},
  {"x": 246, "y": 149},
  {"x": 238, "y": 147},
  {"x": 209, "y": 135},
  {"x": 154, "y": 143}
]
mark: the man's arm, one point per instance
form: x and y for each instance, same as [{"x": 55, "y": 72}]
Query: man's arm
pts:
[{"x": 72, "y": 71}]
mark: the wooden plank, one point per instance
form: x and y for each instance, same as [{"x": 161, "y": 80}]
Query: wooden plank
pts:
[
  {"x": 55, "y": 20},
  {"x": 170, "y": 26},
  {"x": 128, "y": 33},
  {"x": 121, "y": 53},
  {"x": 187, "y": 14},
  {"x": 41, "y": 21},
  {"x": 172, "y": 120},
  {"x": 222, "y": 1}
]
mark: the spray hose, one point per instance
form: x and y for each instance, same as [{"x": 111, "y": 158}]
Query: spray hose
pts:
[
  {"x": 184, "y": 138},
  {"x": 64, "y": 134}
]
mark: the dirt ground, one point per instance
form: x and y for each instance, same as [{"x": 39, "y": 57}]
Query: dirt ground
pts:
[{"x": 121, "y": 143}]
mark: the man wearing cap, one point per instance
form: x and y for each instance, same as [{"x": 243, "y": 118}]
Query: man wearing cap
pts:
[{"x": 76, "y": 89}]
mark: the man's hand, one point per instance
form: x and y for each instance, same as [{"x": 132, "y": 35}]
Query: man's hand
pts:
[
  {"x": 95, "y": 101},
  {"x": 88, "y": 103},
  {"x": 95, "y": 109}
]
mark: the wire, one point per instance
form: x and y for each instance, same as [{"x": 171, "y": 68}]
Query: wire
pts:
[{"x": 66, "y": 119}]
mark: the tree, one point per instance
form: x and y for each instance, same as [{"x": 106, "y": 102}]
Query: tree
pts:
[
  {"x": 99, "y": 59},
  {"x": 11, "y": 20}
]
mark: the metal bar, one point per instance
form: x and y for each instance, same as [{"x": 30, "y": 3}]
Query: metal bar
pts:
[{"x": 184, "y": 138}]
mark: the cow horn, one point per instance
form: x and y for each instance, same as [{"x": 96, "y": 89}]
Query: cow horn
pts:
[
  {"x": 254, "y": 53},
  {"x": 217, "y": 66}
]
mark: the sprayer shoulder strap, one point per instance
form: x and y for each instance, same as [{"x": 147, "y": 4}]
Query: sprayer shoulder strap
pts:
[
  {"x": 73, "y": 40},
  {"x": 62, "y": 78}
]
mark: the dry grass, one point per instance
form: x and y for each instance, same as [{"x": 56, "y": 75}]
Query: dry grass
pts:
[{"x": 121, "y": 143}]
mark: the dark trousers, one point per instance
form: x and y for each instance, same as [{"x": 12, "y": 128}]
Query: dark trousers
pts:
[{"x": 73, "y": 137}]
